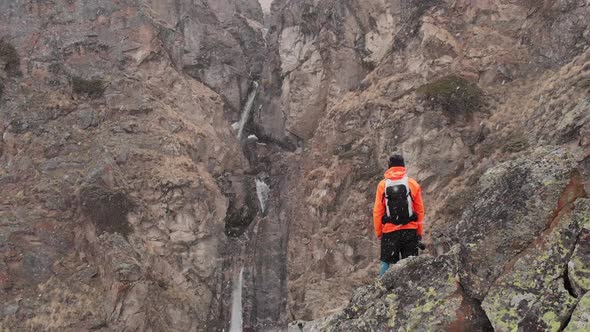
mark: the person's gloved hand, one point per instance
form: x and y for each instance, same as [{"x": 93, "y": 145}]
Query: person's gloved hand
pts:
[
  {"x": 421, "y": 245},
  {"x": 414, "y": 217}
]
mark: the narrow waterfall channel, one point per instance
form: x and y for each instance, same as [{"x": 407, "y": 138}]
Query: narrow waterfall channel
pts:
[
  {"x": 262, "y": 191},
  {"x": 257, "y": 298},
  {"x": 247, "y": 109},
  {"x": 236, "y": 323}
]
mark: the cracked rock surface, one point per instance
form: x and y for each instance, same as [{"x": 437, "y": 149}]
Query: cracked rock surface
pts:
[{"x": 128, "y": 203}]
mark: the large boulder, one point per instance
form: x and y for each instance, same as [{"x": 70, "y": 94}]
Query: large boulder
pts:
[
  {"x": 417, "y": 294},
  {"x": 514, "y": 203},
  {"x": 532, "y": 295}
]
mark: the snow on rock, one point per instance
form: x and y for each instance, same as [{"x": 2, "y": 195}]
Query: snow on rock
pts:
[{"x": 262, "y": 191}]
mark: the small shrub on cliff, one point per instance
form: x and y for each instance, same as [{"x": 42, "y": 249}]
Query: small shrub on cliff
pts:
[
  {"x": 1, "y": 89},
  {"x": 107, "y": 209},
  {"x": 454, "y": 95},
  {"x": 90, "y": 88},
  {"x": 9, "y": 57},
  {"x": 515, "y": 143}
]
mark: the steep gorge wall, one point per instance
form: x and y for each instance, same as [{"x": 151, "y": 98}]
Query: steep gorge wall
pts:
[
  {"x": 124, "y": 181},
  {"x": 354, "y": 81},
  {"x": 120, "y": 173}
]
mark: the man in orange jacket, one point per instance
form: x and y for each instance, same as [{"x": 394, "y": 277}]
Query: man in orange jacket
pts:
[{"x": 398, "y": 214}]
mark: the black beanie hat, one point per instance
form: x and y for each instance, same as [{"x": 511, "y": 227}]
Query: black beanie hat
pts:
[{"x": 396, "y": 160}]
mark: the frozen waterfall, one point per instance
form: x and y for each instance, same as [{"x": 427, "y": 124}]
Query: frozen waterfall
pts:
[
  {"x": 236, "y": 322},
  {"x": 247, "y": 109},
  {"x": 262, "y": 191}
]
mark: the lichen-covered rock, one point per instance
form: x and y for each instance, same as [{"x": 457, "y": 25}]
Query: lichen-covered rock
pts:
[
  {"x": 580, "y": 320},
  {"x": 579, "y": 264},
  {"x": 417, "y": 294},
  {"x": 531, "y": 293},
  {"x": 549, "y": 313},
  {"x": 514, "y": 204}
]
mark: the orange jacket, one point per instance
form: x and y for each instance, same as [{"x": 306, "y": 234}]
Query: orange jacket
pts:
[{"x": 396, "y": 173}]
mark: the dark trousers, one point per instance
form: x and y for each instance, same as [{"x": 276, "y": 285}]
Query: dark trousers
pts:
[{"x": 398, "y": 245}]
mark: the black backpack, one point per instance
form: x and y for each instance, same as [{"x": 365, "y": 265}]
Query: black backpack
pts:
[{"x": 398, "y": 202}]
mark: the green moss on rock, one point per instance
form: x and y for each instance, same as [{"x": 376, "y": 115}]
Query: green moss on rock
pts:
[
  {"x": 551, "y": 312},
  {"x": 107, "y": 209},
  {"x": 515, "y": 143},
  {"x": 416, "y": 294},
  {"x": 453, "y": 94},
  {"x": 90, "y": 88}
]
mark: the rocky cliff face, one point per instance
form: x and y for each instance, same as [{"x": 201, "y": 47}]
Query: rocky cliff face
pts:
[
  {"x": 119, "y": 171},
  {"x": 458, "y": 87},
  {"x": 129, "y": 203}
]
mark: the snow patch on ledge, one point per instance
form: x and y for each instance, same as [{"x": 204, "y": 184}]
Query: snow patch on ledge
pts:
[{"x": 265, "y": 4}]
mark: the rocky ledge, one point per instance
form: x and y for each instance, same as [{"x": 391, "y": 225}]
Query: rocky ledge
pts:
[{"x": 522, "y": 263}]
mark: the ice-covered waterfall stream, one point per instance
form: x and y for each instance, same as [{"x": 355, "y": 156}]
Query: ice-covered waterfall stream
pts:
[
  {"x": 247, "y": 109},
  {"x": 262, "y": 191},
  {"x": 261, "y": 249},
  {"x": 236, "y": 322}
]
